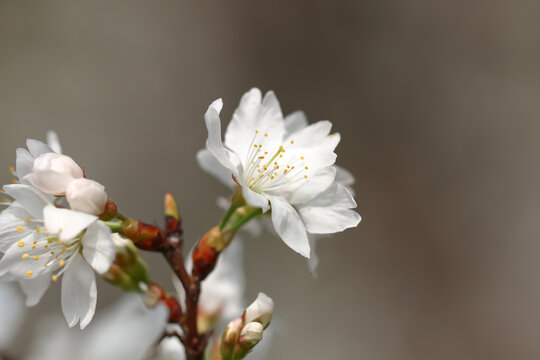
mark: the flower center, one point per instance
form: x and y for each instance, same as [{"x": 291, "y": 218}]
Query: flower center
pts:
[{"x": 262, "y": 172}]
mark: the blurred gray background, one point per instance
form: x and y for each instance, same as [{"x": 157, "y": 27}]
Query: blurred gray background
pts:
[{"x": 438, "y": 106}]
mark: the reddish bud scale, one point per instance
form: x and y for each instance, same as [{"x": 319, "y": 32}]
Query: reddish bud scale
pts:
[
  {"x": 204, "y": 258},
  {"x": 110, "y": 211},
  {"x": 175, "y": 310},
  {"x": 172, "y": 225},
  {"x": 144, "y": 236}
]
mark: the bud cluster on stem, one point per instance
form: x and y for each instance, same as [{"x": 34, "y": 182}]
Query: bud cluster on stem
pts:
[{"x": 243, "y": 333}]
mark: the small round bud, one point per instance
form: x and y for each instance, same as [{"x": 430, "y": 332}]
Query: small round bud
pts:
[
  {"x": 261, "y": 310},
  {"x": 52, "y": 173},
  {"x": 86, "y": 196}
]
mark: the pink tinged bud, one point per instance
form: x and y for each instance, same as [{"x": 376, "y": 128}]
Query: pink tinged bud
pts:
[
  {"x": 261, "y": 310},
  {"x": 250, "y": 335},
  {"x": 52, "y": 173},
  {"x": 229, "y": 338},
  {"x": 86, "y": 196}
]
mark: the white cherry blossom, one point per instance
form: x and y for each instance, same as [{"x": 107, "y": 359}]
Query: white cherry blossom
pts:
[
  {"x": 42, "y": 242},
  {"x": 280, "y": 163}
]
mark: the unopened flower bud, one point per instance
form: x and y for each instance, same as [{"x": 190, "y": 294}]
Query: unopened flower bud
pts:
[
  {"x": 208, "y": 249},
  {"x": 261, "y": 310},
  {"x": 86, "y": 196},
  {"x": 145, "y": 236},
  {"x": 230, "y": 337},
  {"x": 250, "y": 335},
  {"x": 52, "y": 173}
]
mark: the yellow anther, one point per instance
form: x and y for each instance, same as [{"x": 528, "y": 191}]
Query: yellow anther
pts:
[
  {"x": 11, "y": 169},
  {"x": 14, "y": 181},
  {"x": 52, "y": 252},
  {"x": 35, "y": 242},
  {"x": 54, "y": 278},
  {"x": 38, "y": 230},
  {"x": 266, "y": 153},
  {"x": 280, "y": 155},
  {"x": 29, "y": 273},
  {"x": 36, "y": 257},
  {"x": 305, "y": 176},
  {"x": 272, "y": 177},
  {"x": 265, "y": 134},
  {"x": 60, "y": 230},
  {"x": 256, "y": 131},
  {"x": 56, "y": 256},
  {"x": 62, "y": 263},
  {"x": 288, "y": 166},
  {"x": 285, "y": 171},
  {"x": 19, "y": 228},
  {"x": 28, "y": 219},
  {"x": 255, "y": 145},
  {"x": 260, "y": 145},
  {"x": 25, "y": 256},
  {"x": 306, "y": 167},
  {"x": 301, "y": 157},
  {"x": 20, "y": 243},
  {"x": 33, "y": 246},
  {"x": 46, "y": 246},
  {"x": 261, "y": 157},
  {"x": 292, "y": 141}
]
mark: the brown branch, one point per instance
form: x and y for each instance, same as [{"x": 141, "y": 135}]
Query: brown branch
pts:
[{"x": 169, "y": 243}]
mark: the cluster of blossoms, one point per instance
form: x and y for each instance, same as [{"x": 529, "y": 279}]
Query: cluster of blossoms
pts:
[
  {"x": 52, "y": 228},
  {"x": 58, "y": 223}
]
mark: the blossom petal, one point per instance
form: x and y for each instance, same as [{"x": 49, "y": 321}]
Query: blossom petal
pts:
[
  {"x": 30, "y": 198},
  {"x": 320, "y": 220},
  {"x": 313, "y": 186},
  {"x": 10, "y": 219},
  {"x": 295, "y": 121},
  {"x": 79, "y": 293},
  {"x": 289, "y": 225},
  {"x": 23, "y": 163},
  {"x": 53, "y": 142},
  {"x": 67, "y": 223},
  {"x": 49, "y": 181},
  {"x": 211, "y": 165},
  {"x": 37, "y": 147},
  {"x": 336, "y": 196},
  {"x": 213, "y": 143},
  {"x": 35, "y": 288},
  {"x": 244, "y": 122},
  {"x": 253, "y": 198},
  {"x": 98, "y": 247},
  {"x": 255, "y": 122},
  {"x": 13, "y": 261}
]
